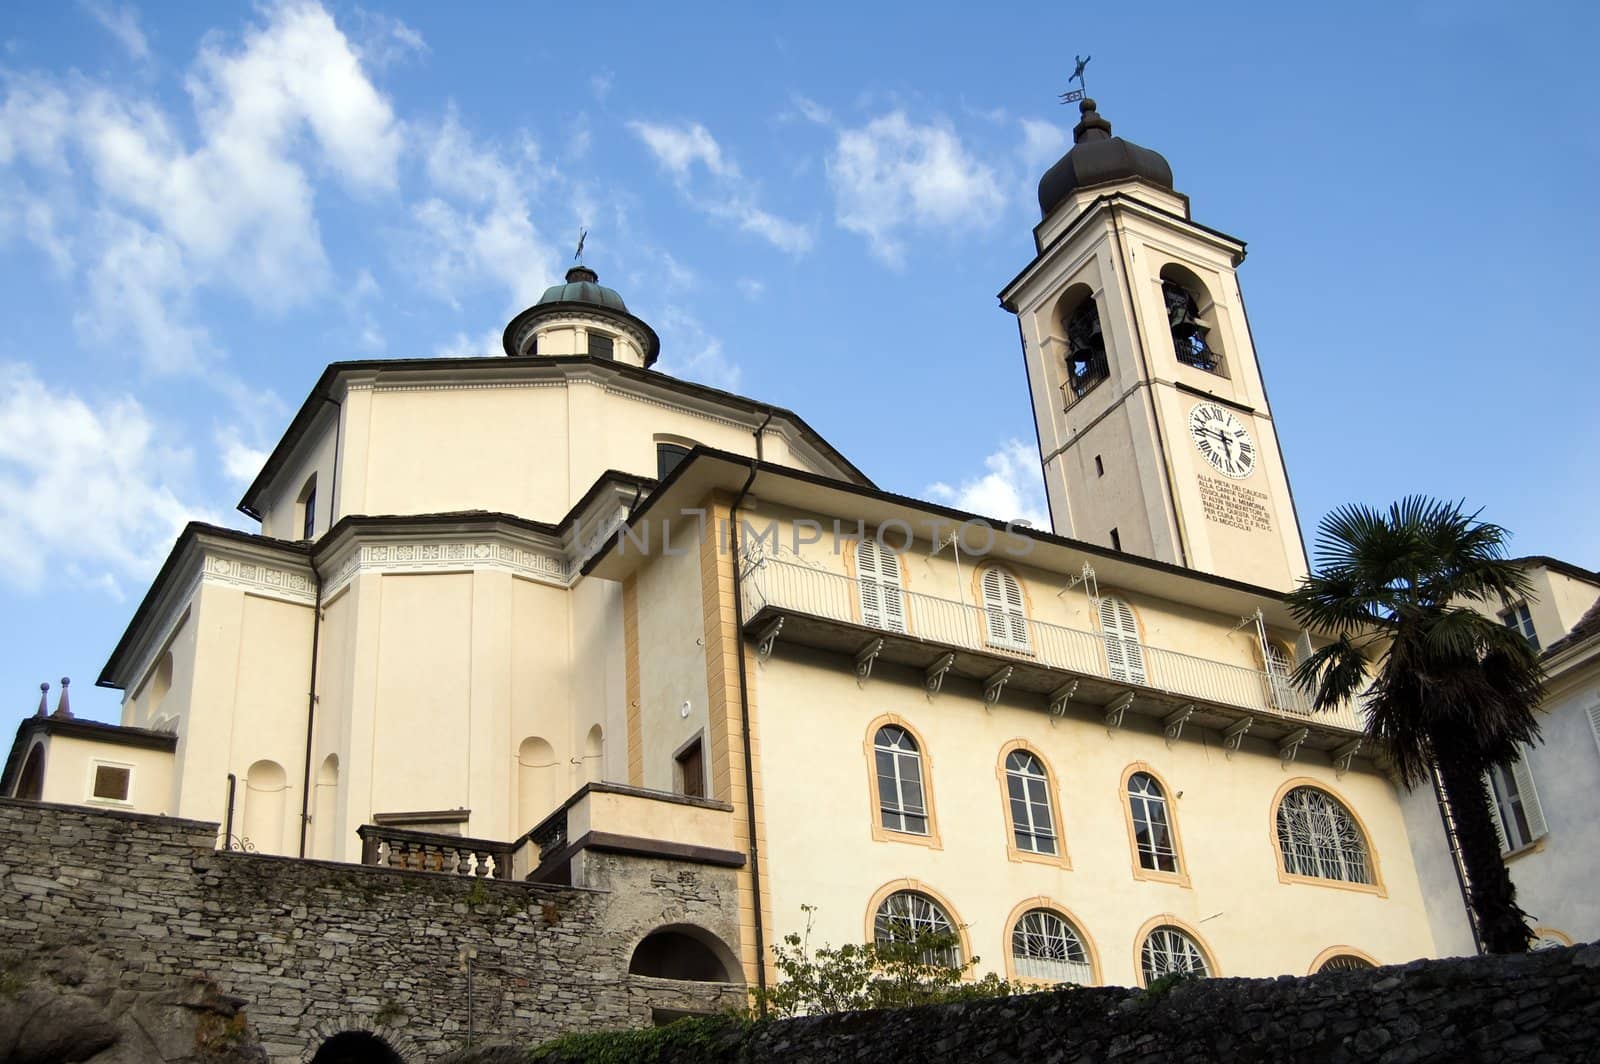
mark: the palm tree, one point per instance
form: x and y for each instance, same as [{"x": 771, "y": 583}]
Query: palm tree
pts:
[{"x": 1452, "y": 689}]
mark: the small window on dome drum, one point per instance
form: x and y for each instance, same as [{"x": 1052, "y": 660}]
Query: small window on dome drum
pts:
[
  {"x": 601, "y": 346},
  {"x": 1086, "y": 349}
]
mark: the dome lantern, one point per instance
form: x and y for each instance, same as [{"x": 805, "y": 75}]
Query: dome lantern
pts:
[{"x": 581, "y": 316}]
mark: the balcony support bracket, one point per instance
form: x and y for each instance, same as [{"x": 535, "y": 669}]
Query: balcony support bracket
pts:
[
  {"x": 1343, "y": 755},
  {"x": 933, "y": 676},
  {"x": 765, "y": 641},
  {"x": 1059, "y": 699},
  {"x": 1235, "y": 734},
  {"x": 994, "y": 685},
  {"x": 1289, "y": 745},
  {"x": 1172, "y": 726},
  {"x": 864, "y": 659},
  {"x": 1116, "y": 708}
]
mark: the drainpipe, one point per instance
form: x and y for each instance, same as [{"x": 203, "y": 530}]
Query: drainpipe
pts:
[
  {"x": 316, "y": 631},
  {"x": 227, "y": 836},
  {"x": 744, "y": 717}
]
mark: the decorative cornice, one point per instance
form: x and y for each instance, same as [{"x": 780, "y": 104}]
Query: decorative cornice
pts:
[
  {"x": 431, "y": 555},
  {"x": 252, "y": 575}
]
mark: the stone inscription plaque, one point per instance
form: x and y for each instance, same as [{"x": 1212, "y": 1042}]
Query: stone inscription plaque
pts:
[{"x": 1230, "y": 503}]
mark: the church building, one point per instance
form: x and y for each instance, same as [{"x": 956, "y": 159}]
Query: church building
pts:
[{"x": 505, "y": 612}]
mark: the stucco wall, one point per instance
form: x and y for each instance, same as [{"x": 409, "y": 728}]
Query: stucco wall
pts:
[
  {"x": 814, "y": 711},
  {"x": 313, "y": 949}
]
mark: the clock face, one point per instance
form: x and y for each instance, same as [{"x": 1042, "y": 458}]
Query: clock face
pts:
[{"x": 1223, "y": 440}]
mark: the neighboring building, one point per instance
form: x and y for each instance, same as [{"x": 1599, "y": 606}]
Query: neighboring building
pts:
[
  {"x": 509, "y": 611},
  {"x": 1544, "y": 804}
]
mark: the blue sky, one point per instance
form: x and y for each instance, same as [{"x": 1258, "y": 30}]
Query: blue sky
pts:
[{"x": 202, "y": 205}]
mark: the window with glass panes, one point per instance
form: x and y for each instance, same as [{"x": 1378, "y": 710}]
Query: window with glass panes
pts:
[
  {"x": 1028, "y": 796},
  {"x": 898, "y": 764}
]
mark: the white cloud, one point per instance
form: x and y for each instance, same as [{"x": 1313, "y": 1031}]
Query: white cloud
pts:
[
  {"x": 684, "y": 150},
  {"x": 1042, "y": 144},
  {"x": 750, "y": 288},
  {"x": 692, "y": 353},
  {"x": 1011, "y": 489},
  {"x": 240, "y": 463},
  {"x": 601, "y": 83},
  {"x": 462, "y": 346},
  {"x": 479, "y": 224},
  {"x": 232, "y": 204},
  {"x": 812, "y": 111},
  {"x": 892, "y": 175},
  {"x": 123, "y": 24},
  {"x": 87, "y": 489}
]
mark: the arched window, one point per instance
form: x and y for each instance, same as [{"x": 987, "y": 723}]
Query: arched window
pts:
[
  {"x": 1344, "y": 962},
  {"x": 1045, "y": 946},
  {"x": 1184, "y": 320},
  {"x": 1028, "y": 791},
  {"x": 686, "y": 952},
  {"x": 30, "y": 785},
  {"x": 878, "y": 583},
  {"x": 1319, "y": 838},
  {"x": 265, "y": 806},
  {"x": 906, "y": 915},
  {"x": 1124, "y": 653},
  {"x": 1168, "y": 949},
  {"x": 668, "y": 455},
  {"x": 1005, "y": 619},
  {"x": 902, "y": 805},
  {"x": 1086, "y": 348},
  {"x": 1152, "y": 826},
  {"x": 594, "y": 751},
  {"x": 307, "y": 505}
]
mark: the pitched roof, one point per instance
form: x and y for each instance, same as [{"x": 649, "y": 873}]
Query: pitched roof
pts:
[{"x": 1588, "y": 625}]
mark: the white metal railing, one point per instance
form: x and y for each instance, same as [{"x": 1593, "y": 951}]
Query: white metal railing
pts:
[{"x": 800, "y": 588}]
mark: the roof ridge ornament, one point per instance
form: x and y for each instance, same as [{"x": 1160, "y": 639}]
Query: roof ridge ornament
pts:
[{"x": 44, "y": 700}]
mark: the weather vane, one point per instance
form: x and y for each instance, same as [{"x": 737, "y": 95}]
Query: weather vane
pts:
[
  {"x": 577, "y": 256},
  {"x": 1074, "y": 95}
]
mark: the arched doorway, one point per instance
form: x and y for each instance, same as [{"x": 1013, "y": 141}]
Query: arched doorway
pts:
[
  {"x": 356, "y": 1047},
  {"x": 684, "y": 952}
]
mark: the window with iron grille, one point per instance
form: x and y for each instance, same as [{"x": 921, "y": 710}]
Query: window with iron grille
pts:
[
  {"x": 906, "y": 915},
  {"x": 1518, "y": 619},
  {"x": 1152, "y": 829},
  {"x": 901, "y": 803},
  {"x": 1028, "y": 794},
  {"x": 1045, "y": 946},
  {"x": 1167, "y": 950},
  {"x": 1344, "y": 962},
  {"x": 1086, "y": 348},
  {"x": 1318, "y": 837},
  {"x": 1188, "y": 331}
]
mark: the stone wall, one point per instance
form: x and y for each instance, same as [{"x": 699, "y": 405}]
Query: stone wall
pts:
[
  {"x": 1538, "y": 1007},
  {"x": 314, "y": 948}
]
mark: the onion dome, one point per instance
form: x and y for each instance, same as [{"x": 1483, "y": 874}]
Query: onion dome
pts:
[
  {"x": 1098, "y": 158},
  {"x": 582, "y": 316}
]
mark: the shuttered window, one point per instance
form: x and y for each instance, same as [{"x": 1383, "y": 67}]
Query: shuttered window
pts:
[
  {"x": 1518, "y": 819},
  {"x": 1594, "y": 722},
  {"x": 1005, "y": 620},
  {"x": 1124, "y": 655},
  {"x": 883, "y": 603}
]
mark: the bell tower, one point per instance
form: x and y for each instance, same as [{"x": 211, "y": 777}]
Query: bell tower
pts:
[{"x": 1154, "y": 429}]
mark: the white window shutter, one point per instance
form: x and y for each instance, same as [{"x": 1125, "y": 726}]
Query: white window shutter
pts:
[
  {"x": 1594, "y": 722},
  {"x": 1124, "y": 654},
  {"x": 1303, "y": 648},
  {"x": 893, "y": 599},
  {"x": 994, "y": 607},
  {"x": 867, "y": 582},
  {"x": 1015, "y": 612},
  {"x": 1494, "y": 814},
  {"x": 1523, "y": 775}
]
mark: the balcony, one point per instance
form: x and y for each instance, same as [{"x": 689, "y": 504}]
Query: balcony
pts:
[{"x": 944, "y": 638}]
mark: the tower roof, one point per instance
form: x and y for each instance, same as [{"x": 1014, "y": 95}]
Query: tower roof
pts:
[
  {"x": 583, "y": 286},
  {"x": 1095, "y": 158}
]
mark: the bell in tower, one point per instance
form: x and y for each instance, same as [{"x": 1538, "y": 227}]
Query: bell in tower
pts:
[{"x": 1154, "y": 428}]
